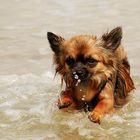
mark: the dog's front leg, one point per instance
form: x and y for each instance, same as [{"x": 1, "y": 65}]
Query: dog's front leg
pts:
[
  {"x": 105, "y": 104},
  {"x": 65, "y": 99}
]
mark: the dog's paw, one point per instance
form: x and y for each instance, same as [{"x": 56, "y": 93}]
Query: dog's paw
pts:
[
  {"x": 65, "y": 99},
  {"x": 63, "y": 104},
  {"x": 95, "y": 116}
]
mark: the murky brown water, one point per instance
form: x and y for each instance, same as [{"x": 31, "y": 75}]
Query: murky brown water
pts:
[{"x": 27, "y": 89}]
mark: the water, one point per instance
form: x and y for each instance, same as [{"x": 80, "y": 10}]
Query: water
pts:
[{"x": 28, "y": 91}]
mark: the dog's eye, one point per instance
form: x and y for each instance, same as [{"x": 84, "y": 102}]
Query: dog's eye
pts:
[
  {"x": 91, "y": 61},
  {"x": 70, "y": 61}
]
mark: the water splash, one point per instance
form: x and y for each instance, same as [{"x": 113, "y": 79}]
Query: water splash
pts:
[
  {"x": 77, "y": 78},
  {"x": 78, "y": 81},
  {"x": 83, "y": 97}
]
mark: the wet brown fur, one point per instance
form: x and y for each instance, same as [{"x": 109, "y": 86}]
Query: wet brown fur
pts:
[{"x": 112, "y": 68}]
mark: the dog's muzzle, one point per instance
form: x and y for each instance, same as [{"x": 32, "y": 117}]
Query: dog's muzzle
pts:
[{"x": 81, "y": 74}]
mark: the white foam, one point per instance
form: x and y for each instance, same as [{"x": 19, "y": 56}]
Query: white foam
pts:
[
  {"x": 13, "y": 114},
  {"x": 84, "y": 132}
]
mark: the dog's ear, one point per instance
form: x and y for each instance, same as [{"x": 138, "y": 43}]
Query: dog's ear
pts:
[
  {"x": 55, "y": 42},
  {"x": 112, "y": 39}
]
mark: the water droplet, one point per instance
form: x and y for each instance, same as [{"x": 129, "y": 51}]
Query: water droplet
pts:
[
  {"x": 74, "y": 72},
  {"x": 128, "y": 123},
  {"x": 78, "y": 80},
  {"x": 77, "y": 83},
  {"x": 76, "y": 76},
  {"x": 83, "y": 99}
]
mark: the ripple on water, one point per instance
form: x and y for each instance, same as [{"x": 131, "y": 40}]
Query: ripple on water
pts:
[{"x": 28, "y": 110}]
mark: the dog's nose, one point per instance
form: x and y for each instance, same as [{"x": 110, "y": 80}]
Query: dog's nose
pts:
[{"x": 82, "y": 74}]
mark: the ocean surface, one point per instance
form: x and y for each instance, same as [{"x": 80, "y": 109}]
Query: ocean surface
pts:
[{"x": 28, "y": 89}]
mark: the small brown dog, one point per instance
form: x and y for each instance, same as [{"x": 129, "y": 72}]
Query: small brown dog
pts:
[{"x": 96, "y": 72}]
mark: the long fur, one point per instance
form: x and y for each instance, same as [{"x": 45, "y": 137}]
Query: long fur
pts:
[{"x": 108, "y": 82}]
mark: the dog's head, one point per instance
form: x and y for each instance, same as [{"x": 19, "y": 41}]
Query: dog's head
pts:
[{"x": 86, "y": 57}]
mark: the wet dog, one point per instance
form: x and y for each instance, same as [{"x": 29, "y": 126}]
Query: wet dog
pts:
[{"x": 95, "y": 70}]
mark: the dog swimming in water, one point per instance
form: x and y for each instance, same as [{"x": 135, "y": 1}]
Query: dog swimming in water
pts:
[{"x": 95, "y": 70}]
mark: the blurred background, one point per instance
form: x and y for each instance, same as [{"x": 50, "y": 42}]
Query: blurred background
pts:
[
  {"x": 24, "y": 24},
  {"x": 27, "y": 88}
]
